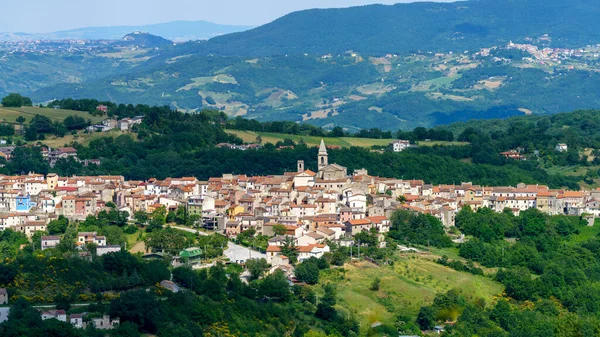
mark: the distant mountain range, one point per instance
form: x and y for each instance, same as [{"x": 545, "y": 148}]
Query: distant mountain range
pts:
[
  {"x": 392, "y": 67},
  {"x": 420, "y": 26},
  {"x": 177, "y": 31}
]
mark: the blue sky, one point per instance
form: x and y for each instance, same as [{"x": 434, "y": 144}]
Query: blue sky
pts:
[{"x": 41, "y": 16}]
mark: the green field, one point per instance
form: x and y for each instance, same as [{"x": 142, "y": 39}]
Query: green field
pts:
[
  {"x": 10, "y": 114},
  {"x": 435, "y": 142},
  {"x": 576, "y": 170},
  {"x": 405, "y": 287},
  {"x": 81, "y": 138},
  {"x": 586, "y": 233},
  {"x": 269, "y": 137}
]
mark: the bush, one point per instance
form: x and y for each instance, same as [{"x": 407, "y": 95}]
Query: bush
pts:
[
  {"x": 375, "y": 284},
  {"x": 131, "y": 229}
]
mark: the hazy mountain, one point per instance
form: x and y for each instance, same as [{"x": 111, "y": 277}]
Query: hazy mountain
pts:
[
  {"x": 428, "y": 26},
  {"x": 144, "y": 40},
  {"x": 264, "y": 73},
  {"x": 174, "y": 31}
]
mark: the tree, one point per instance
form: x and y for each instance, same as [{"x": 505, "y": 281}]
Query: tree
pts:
[
  {"x": 126, "y": 329},
  {"x": 274, "y": 286},
  {"x": 307, "y": 272},
  {"x": 325, "y": 309},
  {"x": 139, "y": 307},
  {"x": 247, "y": 234},
  {"x": 426, "y": 318},
  {"x": 423, "y": 229},
  {"x": 114, "y": 235},
  {"x": 166, "y": 240},
  {"x": 16, "y": 101},
  {"x": 21, "y": 119},
  {"x": 256, "y": 267},
  {"x": 58, "y": 226},
  {"x": 62, "y": 302},
  {"x": 279, "y": 229},
  {"x": 289, "y": 249}
]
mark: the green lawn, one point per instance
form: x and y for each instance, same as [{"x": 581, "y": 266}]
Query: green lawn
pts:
[
  {"x": 405, "y": 287},
  {"x": 10, "y": 114}
]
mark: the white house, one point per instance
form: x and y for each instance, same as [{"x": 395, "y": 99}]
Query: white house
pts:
[
  {"x": 305, "y": 178},
  {"x": 562, "y": 147},
  {"x": 306, "y": 252},
  {"x": 101, "y": 250},
  {"x": 60, "y": 315},
  {"x": 400, "y": 145},
  {"x": 50, "y": 242},
  {"x": 76, "y": 320},
  {"x": 91, "y": 237}
]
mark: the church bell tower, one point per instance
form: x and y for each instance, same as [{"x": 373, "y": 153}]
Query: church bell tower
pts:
[{"x": 323, "y": 158}]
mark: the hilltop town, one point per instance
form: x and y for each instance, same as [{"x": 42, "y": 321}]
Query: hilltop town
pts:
[{"x": 315, "y": 207}]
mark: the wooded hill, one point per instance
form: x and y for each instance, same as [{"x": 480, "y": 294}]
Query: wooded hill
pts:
[{"x": 401, "y": 28}]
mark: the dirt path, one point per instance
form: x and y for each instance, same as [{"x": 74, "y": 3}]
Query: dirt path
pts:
[{"x": 139, "y": 247}]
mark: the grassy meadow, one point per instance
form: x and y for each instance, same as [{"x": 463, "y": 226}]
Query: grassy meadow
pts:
[
  {"x": 411, "y": 283},
  {"x": 10, "y": 114},
  {"x": 270, "y": 137},
  {"x": 273, "y": 138}
]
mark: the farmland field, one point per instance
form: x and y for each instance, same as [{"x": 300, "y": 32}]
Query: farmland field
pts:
[
  {"x": 81, "y": 138},
  {"x": 269, "y": 137},
  {"x": 10, "y": 114}
]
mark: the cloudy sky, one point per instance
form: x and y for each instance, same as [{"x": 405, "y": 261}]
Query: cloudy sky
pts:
[{"x": 41, "y": 16}]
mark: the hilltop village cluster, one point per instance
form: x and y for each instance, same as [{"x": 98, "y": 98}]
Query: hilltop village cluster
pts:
[{"x": 314, "y": 206}]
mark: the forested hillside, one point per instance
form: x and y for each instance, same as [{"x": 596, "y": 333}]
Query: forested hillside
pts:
[
  {"x": 425, "y": 26},
  {"x": 390, "y": 67},
  {"x": 172, "y": 143}
]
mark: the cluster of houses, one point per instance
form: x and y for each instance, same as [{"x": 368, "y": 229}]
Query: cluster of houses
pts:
[
  {"x": 518, "y": 153},
  {"x": 101, "y": 323},
  {"x": 51, "y": 155},
  {"x": 314, "y": 207},
  {"x": 83, "y": 238},
  {"x": 242, "y": 147},
  {"x": 123, "y": 125}
]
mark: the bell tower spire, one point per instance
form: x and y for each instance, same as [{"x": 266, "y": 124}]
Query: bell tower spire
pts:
[{"x": 323, "y": 158}]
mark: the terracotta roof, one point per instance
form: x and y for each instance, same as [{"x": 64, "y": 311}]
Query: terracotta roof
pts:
[
  {"x": 359, "y": 222},
  {"x": 377, "y": 219}
]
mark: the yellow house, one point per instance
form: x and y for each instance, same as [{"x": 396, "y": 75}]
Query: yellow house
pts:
[
  {"x": 52, "y": 181},
  {"x": 234, "y": 210}
]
